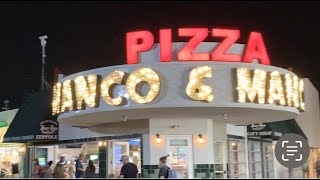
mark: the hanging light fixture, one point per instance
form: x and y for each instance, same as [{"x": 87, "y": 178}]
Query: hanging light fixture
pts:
[
  {"x": 158, "y": 140},
  {"x": 201, "y": 140}
]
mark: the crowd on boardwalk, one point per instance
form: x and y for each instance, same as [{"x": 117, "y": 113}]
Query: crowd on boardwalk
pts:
[
  {"x": 62, "y": 170},
  {"x": 76, "y": 170}
]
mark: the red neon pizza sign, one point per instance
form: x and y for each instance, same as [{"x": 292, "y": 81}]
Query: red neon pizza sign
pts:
[{"x": 255, "y": 48}]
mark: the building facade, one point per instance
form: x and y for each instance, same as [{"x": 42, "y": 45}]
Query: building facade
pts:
[{"x": 192, "y": 105}]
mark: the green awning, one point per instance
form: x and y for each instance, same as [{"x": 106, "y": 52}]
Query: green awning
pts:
[
  {"x": 274, "y": 130},
  {"x": 287, "y": 126},
  {"x": 33, "y": 120}
]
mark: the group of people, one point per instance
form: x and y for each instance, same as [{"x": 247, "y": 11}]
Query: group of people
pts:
[
  {"x": 130, "y": 170},
  {"x": 62, "y": 170}
]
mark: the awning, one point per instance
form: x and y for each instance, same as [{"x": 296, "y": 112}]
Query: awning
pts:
[
  {"x": 274, "y": 130},
  {"x": 33, "y": 121},
  {"x": 287, "y": 126}
]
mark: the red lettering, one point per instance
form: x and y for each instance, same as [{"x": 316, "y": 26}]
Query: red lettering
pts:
[
  {"x": 141, "y": 41},
  {"x": 198, "y": 35},
  {"x": 165, "y": 45},
  {"x": 256, "y": 49},
  {"x": 231, "y": 36},
  {"x": 133, "y": 48}
]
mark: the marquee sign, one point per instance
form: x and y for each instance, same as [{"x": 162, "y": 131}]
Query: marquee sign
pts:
[
  {"x": 255, "y": 86},
  {"x": 255, "y": 47},
  {"x": 252, "y": 85}
]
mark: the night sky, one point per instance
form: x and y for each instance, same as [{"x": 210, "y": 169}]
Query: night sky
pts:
[{"x": 86, "y": 35}]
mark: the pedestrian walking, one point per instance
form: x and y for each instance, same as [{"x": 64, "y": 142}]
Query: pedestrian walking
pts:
[
  {"x": 128, "y": 170},
  {"x": 59, "y": 172},
  {"x": 79, "y": 167}
]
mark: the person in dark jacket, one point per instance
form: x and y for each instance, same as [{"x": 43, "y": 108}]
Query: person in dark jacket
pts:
[
  {"x": 90, "y": 170},
  {"x": 128, "y": 170}
]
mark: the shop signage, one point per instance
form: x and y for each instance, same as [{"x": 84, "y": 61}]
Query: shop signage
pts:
[
  {"x": 261, "y": 130},
  {"x": 141, "y": 41},
  {"x": 251, "y": 85},
  {"x": 48, "y": 130}
]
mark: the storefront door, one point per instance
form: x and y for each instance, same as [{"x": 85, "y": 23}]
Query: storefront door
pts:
[
  {"x": 237, "y": 159},
  {"x": 220, "y": 161},
  {"x": 120, "y": 148},
  {"x": 180, "y": 157},
  {"x": 117, "y": 148}
]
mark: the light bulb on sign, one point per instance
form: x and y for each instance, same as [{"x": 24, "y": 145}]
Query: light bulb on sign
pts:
[
  {"x": 196, "y": 90},
  {"x": 143, "y": 75},
  {"x": 113, "y": 78}
]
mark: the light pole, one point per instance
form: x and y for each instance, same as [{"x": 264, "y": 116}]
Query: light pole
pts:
[{"x": 44, "y": 83}]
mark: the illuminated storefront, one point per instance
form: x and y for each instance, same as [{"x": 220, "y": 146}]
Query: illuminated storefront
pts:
[
  {"x": 12, "y": 155},
  {"x": 29, "y": 125},
  {"x": 183, "y": 99}
]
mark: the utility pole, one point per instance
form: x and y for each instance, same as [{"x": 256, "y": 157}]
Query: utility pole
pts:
[{"x": 44, "y": 83}]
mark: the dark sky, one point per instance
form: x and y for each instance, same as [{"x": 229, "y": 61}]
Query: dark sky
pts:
[{"x": 86, "y": 35}]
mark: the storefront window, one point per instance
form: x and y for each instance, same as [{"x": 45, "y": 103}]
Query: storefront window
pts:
[
  {"x": 268, "y": 160},
  {"x": 71, "y": 153},
  {"x": 255, "y": 159},
  {"x": 260, "y": 159},
  {"x": 237, "y": 159},
  {"x": 118, "y": 148},
  {"x": 12, "y": 160}
]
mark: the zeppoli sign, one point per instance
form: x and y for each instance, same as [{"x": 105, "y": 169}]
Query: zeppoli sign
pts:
[{"x": 252, "y": 85}]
